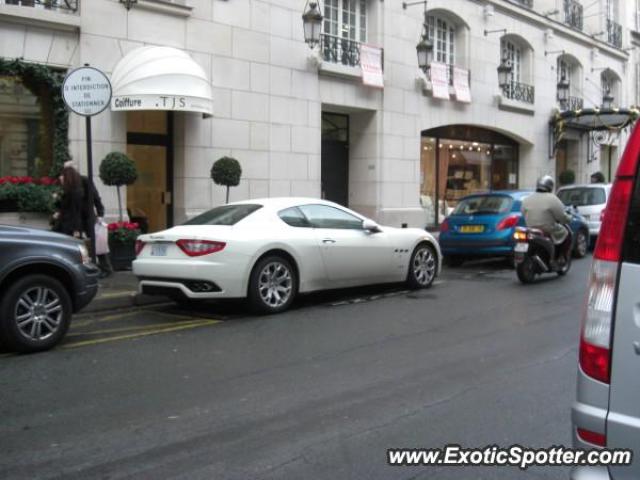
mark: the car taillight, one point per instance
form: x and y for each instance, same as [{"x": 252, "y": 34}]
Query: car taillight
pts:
[
  {"x": 196, "y": 248},
  {"x": 592, "y": 437},
  {"x": 139, "y": 246},
  {"x": 508, "y": 222},
  {"x": 444, "y": 226},
  {"x": 595, "y": 341}
]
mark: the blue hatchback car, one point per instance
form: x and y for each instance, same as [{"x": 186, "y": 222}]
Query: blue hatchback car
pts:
[{"x": 482, "y": 225}]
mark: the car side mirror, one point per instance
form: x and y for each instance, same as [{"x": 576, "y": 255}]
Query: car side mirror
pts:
[{"x": 370, "y": 226}]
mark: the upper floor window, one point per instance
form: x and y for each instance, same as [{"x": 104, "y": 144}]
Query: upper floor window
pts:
[
  {"x": 443, "y": 35},
  {"x": 346, "y": 19},
  {"x": 570, "y": 72},
  {"x": 610, "y": 83},
  {"x": 64, "y": 6},
  {"x": 513, "y": 53},
  {"x": 519, "y": 56}
]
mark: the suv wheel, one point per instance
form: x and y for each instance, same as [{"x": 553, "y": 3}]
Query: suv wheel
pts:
[
  {"x": 272, "y": 286},
  {"x": 34, "y": 314}
]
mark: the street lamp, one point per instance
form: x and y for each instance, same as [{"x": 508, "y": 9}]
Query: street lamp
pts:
[
  {"x": 563, "y": 92},
  {"x": 504, "y": 71},
  {"x": 424, "y": 48},
  {"x": 312, "y": 23},
  {"x": 607, "y": 100},
  {"x": 128, "y": 3}
]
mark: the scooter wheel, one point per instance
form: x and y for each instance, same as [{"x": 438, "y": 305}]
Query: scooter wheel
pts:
[
  {"x": 565, "y": 268},
  {"x": 525, "y": 271}
]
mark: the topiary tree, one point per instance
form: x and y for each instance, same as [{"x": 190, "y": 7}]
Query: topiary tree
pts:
[
  {"x": 567, "y": 177},
  {"x": 116, "y": 169},
  {"x": 226, "y": 171}
]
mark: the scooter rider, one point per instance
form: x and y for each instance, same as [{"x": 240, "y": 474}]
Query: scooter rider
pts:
[{"x": 545, "y": 211}]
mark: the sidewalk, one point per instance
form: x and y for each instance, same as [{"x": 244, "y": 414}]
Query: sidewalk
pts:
[{"x": 119, "y": 291}]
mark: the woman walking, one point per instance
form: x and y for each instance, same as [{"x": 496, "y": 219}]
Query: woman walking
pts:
[{"x": 69, "y": 218}]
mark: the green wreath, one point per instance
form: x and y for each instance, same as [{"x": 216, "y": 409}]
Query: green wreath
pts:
[{"x": 35, "y": 77}]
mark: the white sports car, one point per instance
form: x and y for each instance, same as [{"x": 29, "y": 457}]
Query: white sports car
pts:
[{"x": 270, "y": 250}]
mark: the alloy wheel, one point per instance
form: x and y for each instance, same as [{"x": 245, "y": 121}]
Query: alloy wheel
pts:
[
  {"x": 38, "y": 313},
  {"x": 275, "y": 284},
  {"x": 424, "y": 266},
  {"x": 581, "y": 245}
]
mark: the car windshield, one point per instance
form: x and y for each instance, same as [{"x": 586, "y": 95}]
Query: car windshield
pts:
[
  {"x": 224, "y": 215},
  {"x": 582, "y": 196},
  {"x": 489, "y": 205}
]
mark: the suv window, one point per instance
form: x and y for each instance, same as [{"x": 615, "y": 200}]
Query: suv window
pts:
[
  {"x": 582, "y": 196},
  {"x": 293, "y": 217},
  {"x": 224, "y": 215},
  {"x": 323, "y": 216}
]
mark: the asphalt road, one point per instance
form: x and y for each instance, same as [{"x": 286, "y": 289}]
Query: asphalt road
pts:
[{"x": 320, "y": 392}]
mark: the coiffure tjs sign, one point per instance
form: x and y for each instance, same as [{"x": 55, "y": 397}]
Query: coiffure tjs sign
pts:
[{"x": 161, "y": 102}]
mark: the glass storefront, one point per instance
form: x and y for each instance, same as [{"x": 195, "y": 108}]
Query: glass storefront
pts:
[
  {"x": 459, "y": 161},
  {"x": 26, "y": 141}
]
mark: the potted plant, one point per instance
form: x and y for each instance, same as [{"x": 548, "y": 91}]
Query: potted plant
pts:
[
  {"x": 116, "y": 169},
  {"x": 27, "y": 200},
  {"x": 226, "y": 171},
  {"x": 122, "y": 239},
  {"x": 567, "y": 177}
]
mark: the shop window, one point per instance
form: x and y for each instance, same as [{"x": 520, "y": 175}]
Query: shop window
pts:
[
  {"x": 26, "y": 129},
  {"x": 451, "y": 169}
]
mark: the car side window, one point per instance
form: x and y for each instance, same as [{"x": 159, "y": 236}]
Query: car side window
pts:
[
  {"x": 294, "y": 217},
  {"x": 324, "y": 216}
]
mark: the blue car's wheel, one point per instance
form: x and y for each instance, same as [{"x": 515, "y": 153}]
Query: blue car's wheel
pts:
[{"x": 581, "y": 245}]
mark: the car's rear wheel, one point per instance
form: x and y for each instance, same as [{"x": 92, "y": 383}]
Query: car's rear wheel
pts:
[
  {"x": 35, "y": 314},
  {"x": 422, "y": 267},
  {"x": 273, "y": 285},
  {"x": 582, "y": 244}
]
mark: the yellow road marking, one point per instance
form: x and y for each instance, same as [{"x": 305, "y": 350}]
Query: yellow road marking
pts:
[
  {"x": 197, "y": 324},
  {"x": 138, "y": 327},
  {"x": 99, "y": 319}
]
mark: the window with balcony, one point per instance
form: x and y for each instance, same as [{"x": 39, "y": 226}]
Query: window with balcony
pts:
[
  {"x": 344, "y": 29},
  {"x": 613, "y": 28},
  {"x": 62, "y": 6},
  {"x": 450, "y": 37},
  {"x": 524, "y": 3},
  {"x": 573, "y": 14},
  {"x": 570, "y": 71},
  {"x": 518, "y": 54},
  {"x": 610, "y": 82}
]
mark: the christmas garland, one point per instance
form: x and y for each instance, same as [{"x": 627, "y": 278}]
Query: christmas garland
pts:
[{"x": 35, "y": 77}]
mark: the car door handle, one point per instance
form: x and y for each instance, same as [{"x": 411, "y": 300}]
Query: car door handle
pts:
[{"x": 328, "y": 240}]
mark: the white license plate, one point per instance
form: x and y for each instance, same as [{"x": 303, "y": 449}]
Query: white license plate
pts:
[
  {"x": 521, "y": 247},
  {"x": 159, "y": 249}
]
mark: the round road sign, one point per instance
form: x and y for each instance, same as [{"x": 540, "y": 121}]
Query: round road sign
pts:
[{"x": 86, "y": 91}]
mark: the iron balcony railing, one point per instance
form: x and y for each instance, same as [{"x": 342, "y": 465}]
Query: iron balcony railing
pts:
[
  {"x": 450, "y": 78},
  {"x": 573, "y": 14},
  {"x": 520, "y": 92},
  {"x": 340, "y": 50},
  {"x": 574, "y": 103},
  {"x": 63, "y": 6},
  {"x": 614, "y": 33}
]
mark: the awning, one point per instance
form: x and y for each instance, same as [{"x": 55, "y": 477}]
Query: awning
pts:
[
  {"x": 589, "y": 120},
  {"x": 160, "y": 78}
]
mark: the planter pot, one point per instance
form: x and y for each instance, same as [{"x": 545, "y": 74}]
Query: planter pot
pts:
[
  {"x": 10, "y": 206},
  {"x": 25, "y": 219},
  {"x": 122, "y": 254}
]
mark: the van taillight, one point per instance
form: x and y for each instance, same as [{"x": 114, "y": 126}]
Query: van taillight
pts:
[{"x": 595, "y": 341}]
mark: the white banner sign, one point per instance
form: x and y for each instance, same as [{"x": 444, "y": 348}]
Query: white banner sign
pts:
[
  {"x": 439, "y": 80},
  {"x": 86, "y": 91},
  {"x": 180, "y": 103},
  {"x": 461, "y": 84},
  {"x": 371, "y": 64}
]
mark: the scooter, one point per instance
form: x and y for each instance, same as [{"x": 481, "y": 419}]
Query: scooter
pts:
[{"x": 535, "y": 253}]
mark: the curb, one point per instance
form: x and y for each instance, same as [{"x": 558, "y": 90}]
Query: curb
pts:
[{"x": 124, "y": 300}]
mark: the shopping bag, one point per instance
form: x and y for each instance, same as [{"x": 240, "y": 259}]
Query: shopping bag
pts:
[{"x": 102, "y": 238}]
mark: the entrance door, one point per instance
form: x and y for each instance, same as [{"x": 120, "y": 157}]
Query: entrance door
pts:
[
  {"x": 335, "y": 158},
  {"x": 149, "y": 145}
]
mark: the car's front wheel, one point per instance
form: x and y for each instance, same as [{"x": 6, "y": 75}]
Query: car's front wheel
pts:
[
  {"x": 422, "y": 267},
  {"x": 35, "y": 314},
  {"x": 273, "y": 285}
]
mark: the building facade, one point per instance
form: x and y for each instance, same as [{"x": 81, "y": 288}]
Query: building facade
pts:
[{"x": 300, "y": 120}]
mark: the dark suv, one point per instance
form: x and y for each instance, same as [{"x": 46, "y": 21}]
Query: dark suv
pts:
[
  {"x": 606, "y": 412},
  {"x": 44, "y": 278}
]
